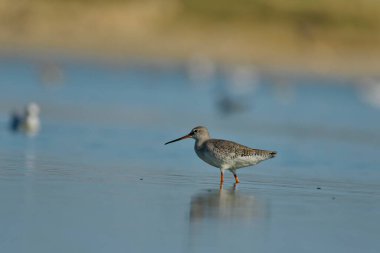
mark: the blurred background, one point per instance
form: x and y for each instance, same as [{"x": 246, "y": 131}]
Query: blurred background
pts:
[
  {"x": 324, "y": 37},
  {"x": 90, "y": 90}
]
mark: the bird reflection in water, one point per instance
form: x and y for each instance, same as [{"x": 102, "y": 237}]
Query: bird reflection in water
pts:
[{"x": 225, "y": 204}]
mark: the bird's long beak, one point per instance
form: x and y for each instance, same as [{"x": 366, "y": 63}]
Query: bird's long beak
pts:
[{"x": 182, "y": 138}]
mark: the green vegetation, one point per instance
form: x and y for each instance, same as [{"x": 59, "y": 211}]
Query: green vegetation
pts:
[
  {"x": 321, "y": 13},
  {"x": 322, "y": 35}
]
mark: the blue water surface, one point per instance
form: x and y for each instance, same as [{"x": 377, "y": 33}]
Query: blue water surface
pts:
[{"x": 97, "y": 177}]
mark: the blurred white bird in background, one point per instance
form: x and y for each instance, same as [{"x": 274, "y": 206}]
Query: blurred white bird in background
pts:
[{"x": 28, "y": 122}]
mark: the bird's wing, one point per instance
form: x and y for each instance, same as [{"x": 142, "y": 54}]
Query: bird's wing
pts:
[{"x": 230, "y": 150}]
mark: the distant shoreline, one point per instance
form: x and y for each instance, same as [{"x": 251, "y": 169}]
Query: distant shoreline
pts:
[{"x": 121, "y": 31}]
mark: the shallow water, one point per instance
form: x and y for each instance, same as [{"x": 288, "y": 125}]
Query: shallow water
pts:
[{"x": 97, "y": 178}]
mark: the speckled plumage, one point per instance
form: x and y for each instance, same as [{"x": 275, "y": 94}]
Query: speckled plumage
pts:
[
  {"x": 230, "y": 155},
  {"x": 225, "y": 155}
]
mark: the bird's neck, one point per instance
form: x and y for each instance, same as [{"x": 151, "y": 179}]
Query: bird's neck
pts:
[{"x": 200, "y": 142}]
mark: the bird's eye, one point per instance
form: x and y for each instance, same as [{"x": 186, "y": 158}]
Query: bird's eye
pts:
[{"x": 195, "y": 130}]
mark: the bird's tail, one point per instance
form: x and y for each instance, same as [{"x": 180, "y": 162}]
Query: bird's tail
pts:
[
  {"x": 272, "y": 154},
  {"x": 266, "y": 154}
]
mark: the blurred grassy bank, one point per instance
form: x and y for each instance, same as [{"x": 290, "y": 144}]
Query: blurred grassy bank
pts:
[{"x": 325, "y": 36}]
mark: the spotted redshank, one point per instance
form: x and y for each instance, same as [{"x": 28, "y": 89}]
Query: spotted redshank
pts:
[{"x": 225, "y": 155}]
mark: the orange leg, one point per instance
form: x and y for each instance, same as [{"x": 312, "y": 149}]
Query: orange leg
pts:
[
  {"x": 236, "y": 178},
  {"x": 221, "y": 180}
]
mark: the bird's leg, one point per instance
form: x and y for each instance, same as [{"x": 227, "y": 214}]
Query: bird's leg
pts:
[
  {"x": 235, "y": 176},
  {"x": 221, "y": 177},
  {"x": 221, "y": 180}
]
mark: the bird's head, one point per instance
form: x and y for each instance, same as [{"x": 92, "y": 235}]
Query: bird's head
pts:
[{"x": 198, "y": 133}]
